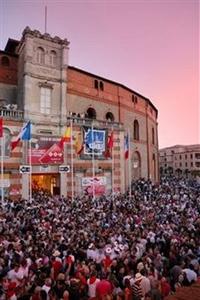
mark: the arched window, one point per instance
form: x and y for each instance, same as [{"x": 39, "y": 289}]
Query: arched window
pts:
[
  {"x": 53, "y": 58},
  {"x": 110, "y": 117},
  {"x": 91, "y": 113},
  {"x": 40, "y": 56},
  {"x": 5, "y": 61},
  {"x": 101, "y": 85},
  {"x": 96, "y": 84},
  {"x": 153, "y": 136},
  {"x": 136, "y": 133},
  {"x": 154, "y": 166},
  {"x": 136, "y": 165}
]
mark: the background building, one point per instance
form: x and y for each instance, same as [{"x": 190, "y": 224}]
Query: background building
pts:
[
  {"x": 180, "y": 159},
  {"x": 37, "y": 84}
]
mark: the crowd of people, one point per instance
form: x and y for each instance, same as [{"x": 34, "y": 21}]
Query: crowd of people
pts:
[{"x": 142, "y": 246}]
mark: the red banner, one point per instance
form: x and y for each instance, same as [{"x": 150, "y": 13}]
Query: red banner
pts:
[{"x": 46, "y": 150}]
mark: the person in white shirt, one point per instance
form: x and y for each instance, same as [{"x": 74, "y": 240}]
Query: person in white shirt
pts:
[
  {"x": 190, "y": 274},
  {"x": 92, "y": 284},
  {"x": 47, "y": 286},
  {"x": 16, "y": 275}
]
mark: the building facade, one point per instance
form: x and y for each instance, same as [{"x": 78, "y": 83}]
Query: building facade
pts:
[
  {"x": 180, "y": 159},
  {"x": 38, "y": 84}
]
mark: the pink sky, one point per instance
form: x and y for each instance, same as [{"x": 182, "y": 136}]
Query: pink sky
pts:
[{"x": 150, "y": 46}]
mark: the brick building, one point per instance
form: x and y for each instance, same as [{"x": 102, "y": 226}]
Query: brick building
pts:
[{"x": 38, "y": 84}]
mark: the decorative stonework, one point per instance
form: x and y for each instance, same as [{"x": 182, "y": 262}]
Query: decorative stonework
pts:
[{"x": 45, "y": 36}]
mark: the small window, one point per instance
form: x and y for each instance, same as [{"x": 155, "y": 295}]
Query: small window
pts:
[
  {"x": 153, "y": 136},
  {"x": 5, "y": 61},
  {"x": 136, "y": 99},
  {"x": 110, "y": 117},
  {"x": 53, "y": 58},
  {"x": 180, "y": 164},
  {"x": 197, "y": 164},
  {"x": 180, "y": 156},
  {"x": 185, "y": 156},
  {"x": 136, "y": 133},
  {"x": 197, "y": 155},
  {"x": 191, "y": 155},
  {"x": 186, "y": 164},
  {"x": 40, "y": 56},
  {"x": 91, "y": 113},
  {"x": 101, "y": 86},
  {"x": 191, "y": 164},
  {"x": 96, "y": 84}
]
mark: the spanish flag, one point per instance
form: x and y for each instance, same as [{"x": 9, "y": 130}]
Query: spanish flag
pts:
[
  {"x": 66, "y": 138},
  {"x": 79, "y": 144}
]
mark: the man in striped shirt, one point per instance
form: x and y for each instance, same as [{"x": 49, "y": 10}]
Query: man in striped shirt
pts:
[{"x": 137, "y": 290}]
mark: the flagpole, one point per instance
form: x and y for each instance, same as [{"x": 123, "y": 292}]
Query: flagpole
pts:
[
  {"x": 112, "y": 167},
  {"x": 30, "y": 174},
  {"x": 72, "y": 160},
  {"x": 93, "y": 167},
  {"x": 2, "y": 171},
  {"x": 129, "y": 164}
]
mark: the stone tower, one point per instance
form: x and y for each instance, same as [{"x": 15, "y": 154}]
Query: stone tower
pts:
[{"x": 42, "y": 78}]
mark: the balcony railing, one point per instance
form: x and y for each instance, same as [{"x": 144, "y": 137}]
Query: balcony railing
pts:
[
  {"x": 95, "y": 122},
  {"x": 12, "y": 114}
]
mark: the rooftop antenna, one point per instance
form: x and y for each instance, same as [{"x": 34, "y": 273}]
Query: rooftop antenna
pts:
[{"x": 45, "y": 22}]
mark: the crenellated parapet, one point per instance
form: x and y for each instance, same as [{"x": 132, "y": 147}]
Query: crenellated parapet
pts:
[{"x": 46, "y": 36}]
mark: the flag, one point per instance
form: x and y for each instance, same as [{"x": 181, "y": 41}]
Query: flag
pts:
[
  {"x": 110, "y": 141},
  {"x": 25, "y": 135},
  {"x": 66, "y": 137},
  {"x": 126, "y": 146},
  {"x": 109, "y": 147},
  {"x": 1, "y": 127},
  {"x": 79, "y": 144}
]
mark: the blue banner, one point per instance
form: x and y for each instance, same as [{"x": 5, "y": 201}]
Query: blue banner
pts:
[{"x": 94, "y": 141}]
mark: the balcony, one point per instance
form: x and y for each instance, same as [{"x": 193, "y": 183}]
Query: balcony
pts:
[
  {"x": 95, "y": 122},
  {"x": 12, "y": 114}
]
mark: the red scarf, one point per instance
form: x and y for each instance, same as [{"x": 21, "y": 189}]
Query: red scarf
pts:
[{"x": 92, "y": 279}]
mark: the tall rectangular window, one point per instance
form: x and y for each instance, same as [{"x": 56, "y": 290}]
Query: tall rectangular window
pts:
[{"x": 45, "y": 100}]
